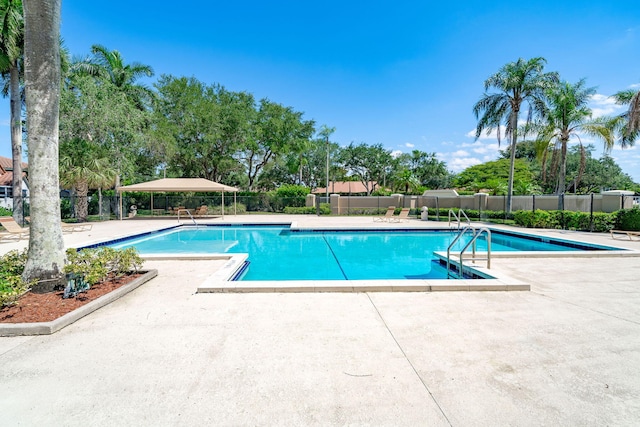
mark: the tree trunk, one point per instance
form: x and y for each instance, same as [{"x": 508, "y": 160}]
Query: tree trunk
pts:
[
  {"x": 82, "y": 203},
  {"x": 42, "y": 84},
  {"x": 561, "y": 187},
  {"x": 512, "y": 164},
  {"x": 16, "y": 142}
]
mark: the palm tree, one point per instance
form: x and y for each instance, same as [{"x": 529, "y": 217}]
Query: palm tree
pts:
[
  {"x": 42, "y": 83},
  {"x": 629, "y": 124},
  {"x": 11, "y": 50},
  {"x": 566, "y": 115},
  {"x": 84, "y": 167},
  {"x": 110, "y": 65},
  {"x": 515, "y": 83}
]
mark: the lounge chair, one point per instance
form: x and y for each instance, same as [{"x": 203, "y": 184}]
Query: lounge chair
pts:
[
  {"x": 70, "y": 227},
  {"x": 387, "y": 216},
  {"x": 13, "y": 229},
  {"x": 201, "y": 211},
  {"x": 631, "y": 235},
  {"x": 403, "y": 216}
]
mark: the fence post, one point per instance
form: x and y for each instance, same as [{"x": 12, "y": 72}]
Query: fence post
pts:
[
  {"x": 534, "y": 203},
  {"x": 591, "y": 215},
  {"x": 437, "y": 210}
]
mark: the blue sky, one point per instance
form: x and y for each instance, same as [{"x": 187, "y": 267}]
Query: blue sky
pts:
[{"x": 405, "y": 74}]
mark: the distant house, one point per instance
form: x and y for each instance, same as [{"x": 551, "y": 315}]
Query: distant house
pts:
[
  {"x": 6, "y": 179},
  {"x": 346, "y": 188}
]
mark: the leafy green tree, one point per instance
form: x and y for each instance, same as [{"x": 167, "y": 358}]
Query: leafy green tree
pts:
[
  {"x": 109, "y": 66},
  {"x": 428, "y": 170},
  {"x": 42, "y": 83},
  {"x": 367, "y": 162},
  {"x": 276, "y": 131},
  {"x": 566, "y": 114},
  {"x": 494, "y": 176},
  {"x": 201, "y": 128},
  {"x": 599, "y": 174},
  {"x": 515, "y": 83},
  {"x": 11, "y": 51}
]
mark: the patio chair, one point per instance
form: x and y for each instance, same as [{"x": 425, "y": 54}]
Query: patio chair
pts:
[
  {"x": 70, "y": 227},
  {"x": 387, "y": 216},
  {"x": 201, "y": 211},
  {"x": 403, "y": 216},
  {"x": 13, "y": 229}
]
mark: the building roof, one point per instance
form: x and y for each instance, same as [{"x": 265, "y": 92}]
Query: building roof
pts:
[
  {"x": 348, "y": 187},
  {"x": 6, "y": 170}
]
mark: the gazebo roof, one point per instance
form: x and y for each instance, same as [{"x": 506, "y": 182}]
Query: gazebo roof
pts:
[{"x": 177, "y": 185}]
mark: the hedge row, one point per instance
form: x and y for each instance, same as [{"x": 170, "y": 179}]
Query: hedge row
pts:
[{"x": 626, "y": 219}]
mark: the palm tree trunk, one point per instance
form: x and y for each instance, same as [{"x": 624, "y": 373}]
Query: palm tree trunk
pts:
[
  {"x": 42, "y": 82},
  {"x": 512, "y": 162},
  {"x": 16, "y": 142},
  {"x": 561, "y": 187},
  {"x": 82, "y": 202}
]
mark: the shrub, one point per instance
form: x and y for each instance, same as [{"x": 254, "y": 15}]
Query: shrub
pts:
[
  {"x": 94, "y": 265},
  {"x": 11, "y": 284},
  {"x": 581, "y": 221},
  {"x": 628, "y": 219},
  {"x": 303, "y": 210},
  {"x": 5, "y": 212},
  {"x": 91, "y": 266}
]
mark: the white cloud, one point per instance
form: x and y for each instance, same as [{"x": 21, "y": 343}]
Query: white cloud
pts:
[
  {"x": 635, "y": 86},
  {"x": 5, "y": 122},
  {"x": 480, "y": 147},
  {"x": 409, "y": 145},
  {"x": 602, "y": 105},
  {"x": 396, "y": 153},
  {"x": 461, "y": 163}
]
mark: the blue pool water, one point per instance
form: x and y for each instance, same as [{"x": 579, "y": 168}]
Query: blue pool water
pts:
[{"x": 277, "y": 253}]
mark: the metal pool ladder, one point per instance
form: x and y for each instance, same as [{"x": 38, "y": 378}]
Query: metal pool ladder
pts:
[
  {"x": 458, "y": 217},
  {"x": 188, "y": 213},
  {"x": 475, "y": 233}
]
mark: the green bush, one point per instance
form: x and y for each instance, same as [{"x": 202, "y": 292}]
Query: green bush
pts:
[
  {"x": 5, "y": 212},
  {"x": 303, "y": 210},
  {"x": 567, "y": 220},
  {"x": 11, "y": 284},
  {"x": 628, "y": 219},
  {"x": 96, "y": 264}
]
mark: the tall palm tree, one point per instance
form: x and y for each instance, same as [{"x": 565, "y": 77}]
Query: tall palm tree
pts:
[
  {"x": 42, "y": 83},
  {"x": 515, "y": 83},
  {"x": 11, "y": 50},
  {"x": 567, "y": 115},
  {"x": 629, "y": 124}
]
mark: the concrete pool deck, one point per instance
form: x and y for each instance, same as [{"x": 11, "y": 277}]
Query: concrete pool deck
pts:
[{"x": 564, "y": 353}]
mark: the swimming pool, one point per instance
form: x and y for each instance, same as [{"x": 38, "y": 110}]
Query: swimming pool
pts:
[{"x": 276, "y": 252}]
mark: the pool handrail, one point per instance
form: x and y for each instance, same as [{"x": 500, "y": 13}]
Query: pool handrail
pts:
[
  {"x": 458, "y": 217},
  {"x": 188, "y": 213},
  {"x": 476, "y": 232}
]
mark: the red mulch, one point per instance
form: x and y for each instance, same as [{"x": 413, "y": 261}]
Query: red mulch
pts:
[{"x": 33, "y": 308}]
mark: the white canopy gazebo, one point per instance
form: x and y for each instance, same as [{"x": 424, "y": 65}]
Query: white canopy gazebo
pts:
[{"x": 176, "y": 185}]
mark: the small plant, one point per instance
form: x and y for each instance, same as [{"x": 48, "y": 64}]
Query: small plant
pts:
[
  {"x": 12, "y": 286},
  {"x": 90, "y": 266}
]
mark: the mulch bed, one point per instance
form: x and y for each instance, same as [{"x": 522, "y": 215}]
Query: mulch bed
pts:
[{"x": 34, "y": 308}]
